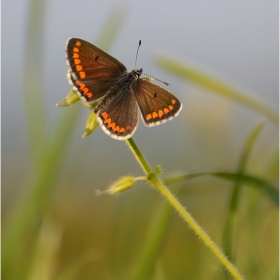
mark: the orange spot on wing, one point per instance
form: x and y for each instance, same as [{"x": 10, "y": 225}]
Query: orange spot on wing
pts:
[
  {"x": 75, "y": 55},
  {"x": 85, "y": 90},
  {"x": 170, "y": 107},
  {"x": 122, "y": 130},
  {"x": 81, "y": 85},
  {"x": 148, "y": 117},
  {"x": 89, "y": 95},
  {"x": 77, "y": 61},
  {"x": 160, "y": 113},
  {"x": 117, "y": 129},
  {"x": 78, "y": 43},
  {"x": 104, "y": 115},
  {"x": 108, "y": 121},
  {"x": 155, "y": 115},
  {"x": 166, "y": 110},
  {"x": 79, "y": 68},
  {"x": 173, "y": 101},
  {"x": 112, "y": 125},
  {"x": 76, "y": 49},
  {"x": 82, "y": 75}
]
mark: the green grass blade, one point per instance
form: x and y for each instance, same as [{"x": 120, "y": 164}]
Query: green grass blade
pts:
[
  {"x": 33, "y": 73},
  {"x": 258, "y": 183},
  {"x": 252, "y": 181},
  {"x": 195, "y": 75},
  {"x": 37, "y": 193},
  {"x": 46, "y": 251},
  {"x": 235, "y": 195},
  {"x": 49, "y": 158},
  {"x": 153, "y": 242},
  {"x": 73, "y": 270},
  {"x": 112, "y": 27}
]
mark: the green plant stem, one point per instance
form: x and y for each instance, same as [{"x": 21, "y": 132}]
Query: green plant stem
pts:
[
  {"x": 138, "y": 155},
  {"x": 196, "y": 228},
  {"x": 182, "y": 211}
]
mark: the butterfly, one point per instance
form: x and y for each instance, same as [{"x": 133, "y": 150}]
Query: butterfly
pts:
[{"x": 97, "y": 76}]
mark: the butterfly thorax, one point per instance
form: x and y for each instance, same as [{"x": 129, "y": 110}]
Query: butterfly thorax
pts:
[
  {"x": 128, "y": 78},
  {"x": 123, "y": 87}
]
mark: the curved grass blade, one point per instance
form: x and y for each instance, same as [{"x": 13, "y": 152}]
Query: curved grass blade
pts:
[
  {"x": 258, "y": 183},
  {"x": 111, "y": 27},
  {"x": 252, "y": 181},
  {"x": 193, "y": 74},
  {"x": 233, "y": 204}
]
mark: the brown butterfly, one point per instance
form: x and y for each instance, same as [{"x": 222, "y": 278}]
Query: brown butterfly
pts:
[{"x": 97, "y": 75}]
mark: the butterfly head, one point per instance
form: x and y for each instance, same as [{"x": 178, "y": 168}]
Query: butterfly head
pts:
[{"x": 137, "y": 72}]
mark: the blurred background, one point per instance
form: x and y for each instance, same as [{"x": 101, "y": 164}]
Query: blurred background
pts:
[{"x": 54, "y": 226}]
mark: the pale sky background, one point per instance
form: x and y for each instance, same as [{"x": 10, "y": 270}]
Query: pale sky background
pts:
[{"x": 238, "y": 40}]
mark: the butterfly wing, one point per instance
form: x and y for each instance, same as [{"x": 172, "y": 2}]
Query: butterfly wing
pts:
[
  {"x": 157, "y": 105},
  {"x": 91, "y": 70},
  {"x": 118, "y": 113}
]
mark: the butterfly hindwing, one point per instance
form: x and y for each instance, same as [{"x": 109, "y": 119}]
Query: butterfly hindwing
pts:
[
  {"x": 157, "y": 105},
  {"x": 91, "y": 70},
  {"x": 118, "y": 113}
]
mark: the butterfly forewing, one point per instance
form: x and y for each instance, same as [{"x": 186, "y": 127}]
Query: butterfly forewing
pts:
[
  {"x": 92, "y": 90},
  {"x": 157, "y": 105},
  {"x": 91, "y": 70},
  {"x": 91, "y": 58}
]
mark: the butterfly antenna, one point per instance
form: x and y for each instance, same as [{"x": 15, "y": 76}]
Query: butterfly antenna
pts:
[
  {"x": 137, "y": 52},
  {"x": 153, "y": 78}
]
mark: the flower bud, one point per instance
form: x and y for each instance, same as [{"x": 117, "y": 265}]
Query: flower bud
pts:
[
  {"x": 158, "y": 170},
  {"x": 70, "y": 99},
  {"x": 121, "y": 185},
  {"x": 91, "y": 124}
]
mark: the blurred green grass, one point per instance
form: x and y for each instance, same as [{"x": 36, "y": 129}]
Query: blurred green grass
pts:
[{"x": 54, "y": 233}]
